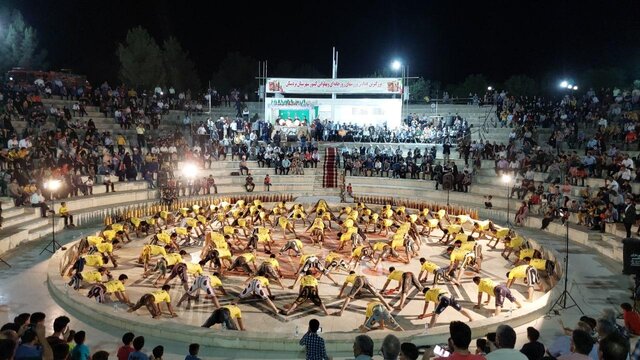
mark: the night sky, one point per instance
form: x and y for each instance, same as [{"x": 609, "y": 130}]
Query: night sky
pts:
[{"x": 442, "y": 40}]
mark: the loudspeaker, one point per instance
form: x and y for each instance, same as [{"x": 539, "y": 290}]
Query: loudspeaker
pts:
[
  {"x": 447, "y": 181},
  {"x": 631, "y": 256}
]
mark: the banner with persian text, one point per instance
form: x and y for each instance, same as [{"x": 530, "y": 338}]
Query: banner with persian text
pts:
[{"x": 335, "y": 86}]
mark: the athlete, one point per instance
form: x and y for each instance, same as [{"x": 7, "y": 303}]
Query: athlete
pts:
[
  {"x": 115, "y": 287},
  {"x": 229, "y": 316},
  {"x": 258, "y": 286},
  {"x": 308, "y": 291},
  {"x": 441, "y": 301},
  {"x": 205, "y": 282},
  {"x": 379, "y": 316},
  {"x": 358, "y": 283},
  {"x": 405, "y": 280},
  {"x": 500, "y": 291},
  {"x": 153, "y": 300}
]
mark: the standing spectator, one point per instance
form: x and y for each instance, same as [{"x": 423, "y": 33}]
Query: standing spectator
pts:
[
  {"x": 267, "y": 182},
  {"x": 505, "y": 343},
  {"x": 138, "y": 344},
  {"x": 629, "y": 215},
  {"x": 193, "y": 352},
  {"x": 156, "y": 353},
  {"x": 313, "y": 342},
  {"x": 126, "y": 348},
  {"x": 534, "y": 350},
  {"x": 363, "y": 348},
  {"x": 80, "y": 351}
]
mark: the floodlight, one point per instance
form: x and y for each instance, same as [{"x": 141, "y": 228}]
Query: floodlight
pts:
[
  {"x": 52, "y": 185},
  {"x": 575, "y": 87},
  {"x": 506, "y": 178},
  {"x": 396, "y": 65},
  {"x": 190, "y": 170},
  {"x": 489, "y": 88},
  {"x": 564, "y": 84}
]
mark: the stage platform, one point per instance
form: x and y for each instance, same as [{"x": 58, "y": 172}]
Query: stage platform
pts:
[{"x": 271, "y": 332}]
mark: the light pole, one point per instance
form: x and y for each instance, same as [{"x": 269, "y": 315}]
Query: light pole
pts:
[
  {"x": 397, "y": 65},
  {"x": 506, "y": 179},
  {"x": 52, "y": 185}
]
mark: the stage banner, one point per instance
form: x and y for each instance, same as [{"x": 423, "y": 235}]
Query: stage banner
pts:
[{"x": 337, "y": 86}]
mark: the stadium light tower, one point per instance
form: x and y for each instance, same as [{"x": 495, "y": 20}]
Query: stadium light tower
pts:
[
  {"x": 564, "y": 84},
  {"x": 397, "y": 65}
]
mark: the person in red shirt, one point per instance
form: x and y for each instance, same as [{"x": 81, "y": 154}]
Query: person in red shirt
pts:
[
  {"x": 126, "y": 348},
  {"x": 631, "y": 318}
]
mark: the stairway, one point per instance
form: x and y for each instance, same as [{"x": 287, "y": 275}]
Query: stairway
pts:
[{"x": 330, "y": 168}]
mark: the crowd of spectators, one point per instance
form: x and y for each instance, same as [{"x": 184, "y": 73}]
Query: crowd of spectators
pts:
[{"x": 602, "y": 338}]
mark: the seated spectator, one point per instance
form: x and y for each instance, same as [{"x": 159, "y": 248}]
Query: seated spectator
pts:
[
  {"x": 363, "y": 347},
  {"x": 631, "y": 318},
  {"x": 408, "y": 351},
  {"x": 534, "y": 350},
  {"x": 458, "y": 344},
  {"x": 505, "y": 343},
  {"x": 581, "y": 346},
  {"x": 37, "y": 200}
]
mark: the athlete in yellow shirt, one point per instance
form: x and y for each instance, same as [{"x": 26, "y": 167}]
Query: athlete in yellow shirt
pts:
[
  {"x": 500, "y": 291},
  {"x": 358, "y": 282},
  {"x": 258, "y": 286},
  {"x": 405, "y": 280},
  {"x": 64, "y": 213},
  {"x": 529, "y": 274},
  {"x": 89, "y": 276},
  {"x": 427, "y": 267},
  {"x": 229, "y": 315},
  {"x": 205, "y": 282},
  {"x": 115, "y": 287},
  {"x": 308, "y": 291},
  {"x": 153, "y": 300},
  {"x": 377, "y": 316},
  {"x": 441, "y": 301},
  {"x": 270, "y": 268},
  {"x": 243, "y": 261}
]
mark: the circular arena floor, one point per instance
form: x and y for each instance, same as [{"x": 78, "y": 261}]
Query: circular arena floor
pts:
[{"x": 270, "y": 331}]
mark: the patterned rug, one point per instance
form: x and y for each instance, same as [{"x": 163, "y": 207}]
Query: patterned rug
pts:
[{"x": 330, "y": 174}]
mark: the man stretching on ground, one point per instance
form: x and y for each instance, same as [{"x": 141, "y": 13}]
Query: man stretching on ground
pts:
[
  {"x": 441, "y": 301},
  {"x": 153, "y": 300},
  {"x": 358, "y": 283},
  {"x": 405, "y": 280}
]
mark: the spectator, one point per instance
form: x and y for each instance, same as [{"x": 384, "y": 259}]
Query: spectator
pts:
[
  {"x": 363, "y": 348},
  {"x": 459, "y": 340},
  {"x": 156, "y": 353},
  {"x": 408, "y": 351},
  {"x": 534, "y": 350},
  {"x": 267, "y": 182},
  {"x": 614, "y": 347},
  {"x": 505, "y": 343},
  {"x": 193, "y": 352},
  {"x": 100, "y": 355},
  {"x": 581, "y": 346},
  {"x": 390, "y": 348},
  {"x": 315, "y": 348},
  {"x": 80, "y": 351},
  {"x": 37, "y": 200},
  {"x": 631, "y": 318},
  {"x": 137, "y": 354},
  {"x": 64, "y": 213},
  {"x": 126, "y": 348}
]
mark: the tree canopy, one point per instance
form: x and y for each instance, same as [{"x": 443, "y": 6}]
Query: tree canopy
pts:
[
  {"x": 140, "y": 60},
  {"x": 19, "y": 46}
]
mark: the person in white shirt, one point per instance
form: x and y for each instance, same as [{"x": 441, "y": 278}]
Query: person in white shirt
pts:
[
  {"x": 13, "y": 143},
  {"x": 627, "y": 162},
  {"x": 25, "y": 143},
  {"x": 37, "y": 200}
]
